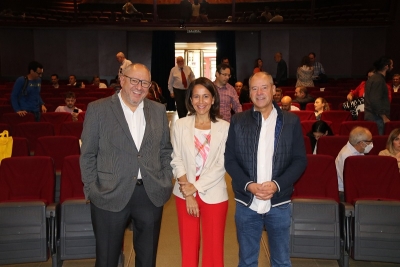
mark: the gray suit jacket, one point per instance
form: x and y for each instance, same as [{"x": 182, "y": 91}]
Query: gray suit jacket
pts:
[{"x": 110, "y": 161}]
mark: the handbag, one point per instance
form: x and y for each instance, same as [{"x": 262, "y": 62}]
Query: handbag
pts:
[{"x": 6, "y": 144}]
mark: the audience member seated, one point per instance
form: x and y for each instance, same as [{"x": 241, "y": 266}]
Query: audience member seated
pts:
[
  {"x": 393, "y": 146},
  {"x": 360, "y": 143},
  {"x": 266, "y": 14},
  {"x": 302, "y": 97},
  {"x": 238, "y": 87},
  {"x": 155, "y": 93},
  {"x": 203, "y": 11},
  {"x": 54, "y": 81},
  {"x": 128, "y": 10},
  {"x": 304, "y": 73},
  {"x": 318, "y": 129},
  {"x": 278, "y": 95},
  {"x": 195, "y": 10},
  {"x": 97, "y": 83},
  {"x": 320, "y": 105},
  {"x": 70, "y": 100},
  {"x": 229, "y": 19},
  {"x": 244, "y": 96},
  {"x": 396, "y": 83},
  {"x": 116, "y": 85},
  {"x": 286, "y": 104},
  {"x": 72, "y": 82}
]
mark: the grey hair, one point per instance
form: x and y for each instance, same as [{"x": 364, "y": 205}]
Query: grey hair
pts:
[
  {"x": 129, "y": 67},
  {"x": 358, "y": 134},
  {"x": 262, "y": 73}
]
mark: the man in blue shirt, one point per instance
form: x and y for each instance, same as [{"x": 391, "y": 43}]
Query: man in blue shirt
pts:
[{"x": 25, "y": 96}]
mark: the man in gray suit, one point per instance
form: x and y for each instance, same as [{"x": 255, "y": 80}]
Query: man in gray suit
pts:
[{"x": 125, "y": 165}]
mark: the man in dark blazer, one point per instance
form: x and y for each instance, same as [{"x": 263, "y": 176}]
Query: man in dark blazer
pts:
[{"x": 125, "y": 165}]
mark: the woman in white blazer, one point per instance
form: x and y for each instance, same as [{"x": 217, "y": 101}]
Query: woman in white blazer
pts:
[{"x": 198, "y": 165}]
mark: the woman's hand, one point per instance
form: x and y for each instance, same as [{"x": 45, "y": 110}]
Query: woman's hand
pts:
[
  {"x": 186, "y": 188},
  {"x": 192, "y": 207}
]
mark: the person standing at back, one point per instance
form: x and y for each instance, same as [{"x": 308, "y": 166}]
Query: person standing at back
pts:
[
  {"x": 180, "y": 77},
  {"x": 376, "y": 96},
  {"x": 25, "y": 96}
]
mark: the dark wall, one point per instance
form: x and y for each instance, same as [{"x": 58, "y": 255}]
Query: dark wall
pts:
[{"x": 344, "y": 52}]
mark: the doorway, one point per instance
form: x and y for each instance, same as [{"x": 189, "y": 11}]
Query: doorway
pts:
[{"x": 200, "y": 57}]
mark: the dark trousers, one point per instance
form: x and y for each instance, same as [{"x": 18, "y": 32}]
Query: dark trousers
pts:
[
  {"x": 109, "y": 228},
  {"x": 180, "y": 96}
]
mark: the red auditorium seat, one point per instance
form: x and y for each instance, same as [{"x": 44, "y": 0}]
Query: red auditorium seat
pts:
[
  {"x": 81, "y": 116},
  {"x": 73, "y": 128},
  {"x": 20, "y": 147},
  {"x": 379, "y": 142},
  {"x": 32, "y": 131},
  {"x": 13, "y": 119},
  {"x": 304, "y": 115},
  {"x": 307, "y": 144},
  {"x": 27, "y": 219},
  {"x": 315, "y": 211},
  {"x": 56, "y": 119},
  {"x": 336, "y": 117},
  {"x": 390, "y": 126},
  {"x": 6, "y": 109},
  {"x": 5, "y": 126},
  {"x": 331, "y": 145},
  {"x": 71, "y": 181},
  {"x": 347, "y": 126}
]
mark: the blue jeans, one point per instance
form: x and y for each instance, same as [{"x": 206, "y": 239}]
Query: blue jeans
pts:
[
  {"x": 378, "y": 120},
  {"x": 249, "y": 227}
]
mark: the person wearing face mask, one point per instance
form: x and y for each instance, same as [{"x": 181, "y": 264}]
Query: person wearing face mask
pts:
[
  {"x": 360, "y": 143},
  {"x": 318, "y": 129}
]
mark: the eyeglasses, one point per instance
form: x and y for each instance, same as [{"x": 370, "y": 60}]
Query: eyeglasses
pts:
[
  {"x": 134, "y": 81},
  {"x": 39, "y": 73},
  {"x": 225, "y": 74}
]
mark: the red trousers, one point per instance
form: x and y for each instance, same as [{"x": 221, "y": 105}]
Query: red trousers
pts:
[{"x": 212, "y": 222}]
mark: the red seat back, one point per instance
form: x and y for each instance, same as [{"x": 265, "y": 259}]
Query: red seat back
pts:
[
  {"x": 390, "y": 126},
  {"x": 72, "y": 128},
  {"x": 13, "y": 119},
  {"x": 331, "y": 145},
  {"x": 347, "y": 126},
  {"x": 307, "y": 144},
  {"x": 56, "y": 119},
  {"x": 371, "y": 177},
  {"x": 71, "y": 180},
  {"x": 32, "y": 131},
  {"x": 20, "y": 147},
  {"x": 306, "y": 126},
  {"x": 319, "y": 180},
  {"x": 379, "y": 142},
  {"x": 246, "y": 106},
  {"x": 304, "y": 115},
  {"x": 57, "y": 147},
  {"x": 27, "y": 178},
  {"x": 336, "y": 117}
]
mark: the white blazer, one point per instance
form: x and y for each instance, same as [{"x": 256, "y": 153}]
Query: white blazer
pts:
[{"x": 211, "y": 185}]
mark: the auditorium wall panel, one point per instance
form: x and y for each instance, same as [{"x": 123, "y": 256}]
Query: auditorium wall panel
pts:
[
  {"x": 139, "y": 47},
  {"x": 273, "y": 41},
  {"x": 110, "y": 43},
  {"x": 247, "y": 50}
]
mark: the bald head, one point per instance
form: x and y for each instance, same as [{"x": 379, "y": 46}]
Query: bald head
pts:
[
  {"x": 120, "y": 57},
  {"x": 180, "y": 62},
  {"x": 286, "y": 103},
  {"x": 359, "y": 138},
  {"x": 278, "y": 57}
]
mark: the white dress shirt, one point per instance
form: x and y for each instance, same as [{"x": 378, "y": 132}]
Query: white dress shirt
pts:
[
  {"x": 124, "y": 64},
  {"x": 175, "y": 78},
  {"x": 265, "y": 155},
  {"x": 136, "y": 123},
  {"x": 347, "y": 151}
]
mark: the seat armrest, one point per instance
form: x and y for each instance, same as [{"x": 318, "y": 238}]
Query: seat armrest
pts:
[
  {"x": 51, "y": 210},
  {"x": 347, "y": 209}
]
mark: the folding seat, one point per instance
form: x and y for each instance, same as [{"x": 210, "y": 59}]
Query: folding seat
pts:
[
  {"x": 81, "y": 116},
  {"x": 379, "y": 142},
  {"x": 304, "y": 115},
  {"x": 4, "y": 101},
  {"x": 390, "y": 126},
  {"x": 32, "y": 131},
  {"x": 315, "y": 227},
  {"x": 27, "y": 220},
  {"x": 57, "y": 147},
  {"x": 20, "y": 147},
  {"x": 96, "y": 95},
  {"x": 372, "y": 208},
  {"x": 331, "y": 145},
  {"x": 13, "y": 119},
  {"x": 347, "y": 126},
  {"x": 76, "y": 240},
  {"x": 5, "y": 126},
  {"x": 336, "y": 117},
  {"x": 72, "y": 128},
  {"x": 306, "y": 126},
  {"x": 56, "y": 119},
  {"x": 307, "y": 144}
]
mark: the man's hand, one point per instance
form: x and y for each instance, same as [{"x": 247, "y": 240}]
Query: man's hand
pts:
[
  {"x": 44, "y": 109},
  {"x": 22, "y": 113},
  {"x": 172, "y": 95},
  {"x": 74, "y": 116},
  {"x": 263, "y": 191}
]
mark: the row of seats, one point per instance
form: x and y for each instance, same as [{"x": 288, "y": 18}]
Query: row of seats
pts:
[
  {"x": 33, "y": 226},
  {"x": 364, "y": 227}
]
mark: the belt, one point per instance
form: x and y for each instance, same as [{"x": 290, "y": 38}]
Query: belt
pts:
[{"x": 139, "y": 182}]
